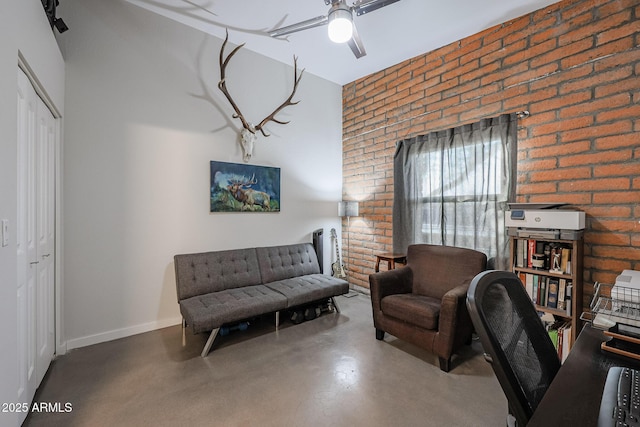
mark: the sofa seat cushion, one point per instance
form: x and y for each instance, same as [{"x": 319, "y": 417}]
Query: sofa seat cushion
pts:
[
  {"x": 210, "y": 311},
  {"x": 308, "y": 288},
  {"x": 419, "y": 310}
]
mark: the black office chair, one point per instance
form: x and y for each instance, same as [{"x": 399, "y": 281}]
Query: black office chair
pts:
[{"x": 514, "y": 340}]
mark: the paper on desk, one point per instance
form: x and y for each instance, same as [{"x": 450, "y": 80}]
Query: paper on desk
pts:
[{"x": 605, "y": 319}]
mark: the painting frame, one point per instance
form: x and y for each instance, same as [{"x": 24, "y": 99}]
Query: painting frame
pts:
[{"x": 241, "y": 187}]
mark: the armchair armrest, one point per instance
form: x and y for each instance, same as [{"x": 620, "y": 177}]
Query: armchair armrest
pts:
[
  {"x": 398, "y": 281},
  {"x": 456, "y": 293},
  {"x": 453, "y": 306}
]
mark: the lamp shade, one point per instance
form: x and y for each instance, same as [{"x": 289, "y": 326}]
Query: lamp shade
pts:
[{"x": 348, "y": 208}]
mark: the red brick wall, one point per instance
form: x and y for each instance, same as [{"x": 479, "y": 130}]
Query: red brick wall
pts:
[{"x": 574, "y": 65}]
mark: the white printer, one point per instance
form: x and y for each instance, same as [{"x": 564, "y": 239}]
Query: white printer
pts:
[
  {"x": 623, "y": 307},
  {"x": 543, "y": 221},
  {"x": 627, "y": 287}
]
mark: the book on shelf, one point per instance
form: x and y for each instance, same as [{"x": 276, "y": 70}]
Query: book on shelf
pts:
[
  {"x": 527, "y": 280},
  {"x": 546, "y": 250},
  {"x": 552, "y": 295},
  {"x": 531, "y": 249},
  {"x": 521, "y": 251},
  {"x": 542, "y": 284},
  {"x": 536, "y": 288},
  {"x": 553, "y": 334},
  {"x": 562, "y": 286},
  {"x": 565, "y": 260},
  {"x": 568, "y": 297}
]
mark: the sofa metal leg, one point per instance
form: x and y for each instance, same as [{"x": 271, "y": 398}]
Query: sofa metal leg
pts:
[
  {"x": 184, "y": 335},
  {"x": 379, "y": 334},
  {"x": 445, "y": 364},
  {"x": 209, "y": 343},
  {"x": 333, "y": 303},
  {"x": 277, "y": 319}
]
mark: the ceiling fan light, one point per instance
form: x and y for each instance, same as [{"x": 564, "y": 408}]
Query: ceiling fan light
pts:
[{"x": 340, "y": 25}]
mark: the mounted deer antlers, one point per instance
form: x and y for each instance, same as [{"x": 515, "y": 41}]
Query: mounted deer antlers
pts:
[{"x": 248, "y": 133}]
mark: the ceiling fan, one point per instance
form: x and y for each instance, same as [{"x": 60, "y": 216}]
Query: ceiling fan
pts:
[{"x": 340, "y": 20}]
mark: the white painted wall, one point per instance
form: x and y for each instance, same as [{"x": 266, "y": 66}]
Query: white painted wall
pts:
[
  {"x": 139, "y": 136},
  {"x": 25, "y": 29}
]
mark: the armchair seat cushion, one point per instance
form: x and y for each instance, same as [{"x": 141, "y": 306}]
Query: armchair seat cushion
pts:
[{"x": 418, "y": 310}]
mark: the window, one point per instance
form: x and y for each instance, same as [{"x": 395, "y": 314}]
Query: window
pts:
[{"x": 452, "y": 187}]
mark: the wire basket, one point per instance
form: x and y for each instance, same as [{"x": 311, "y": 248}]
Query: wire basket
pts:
[{"x": 614, "y": 305}]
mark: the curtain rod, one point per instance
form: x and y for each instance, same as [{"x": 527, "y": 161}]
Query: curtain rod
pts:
[{"x": 519, "y": 114}]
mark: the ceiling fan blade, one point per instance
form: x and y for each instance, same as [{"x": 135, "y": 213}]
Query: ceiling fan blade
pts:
[
  {"x": 366, "y": 6},
  {"x": 304, "y": 25},
  {"x": 355, "y": 43}
]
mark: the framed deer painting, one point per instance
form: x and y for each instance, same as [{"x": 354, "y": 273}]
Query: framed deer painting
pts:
[{"x": 237, "y": 187}]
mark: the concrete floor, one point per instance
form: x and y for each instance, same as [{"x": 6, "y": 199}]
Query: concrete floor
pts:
[{"x": 330, "y": 371}]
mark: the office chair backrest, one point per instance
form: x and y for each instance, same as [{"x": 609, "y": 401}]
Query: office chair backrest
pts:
[{"x": 511, "y": 332}]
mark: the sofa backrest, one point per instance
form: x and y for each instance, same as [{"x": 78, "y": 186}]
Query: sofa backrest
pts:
[
  {"x": 438, "y": 269},
  {"x": 285, "y": 262},
  {"x": 202, "y": 273}
]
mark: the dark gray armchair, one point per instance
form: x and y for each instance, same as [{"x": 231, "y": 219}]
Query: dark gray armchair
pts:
[{"x": 425, "y": 302}]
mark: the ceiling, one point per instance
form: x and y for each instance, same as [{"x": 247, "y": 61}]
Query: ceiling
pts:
[{"x": 390, "y": 35}]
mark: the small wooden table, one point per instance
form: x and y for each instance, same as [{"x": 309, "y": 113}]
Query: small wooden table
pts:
[{"x": 391, "y": 259}]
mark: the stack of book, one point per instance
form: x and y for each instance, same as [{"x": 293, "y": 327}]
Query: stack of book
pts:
[
  {"x": 560, "y": 334},
  {"x": 550, "y": 256},
  {"x": 548, "y": 291}
]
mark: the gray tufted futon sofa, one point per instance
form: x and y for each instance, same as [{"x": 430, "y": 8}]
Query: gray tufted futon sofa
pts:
[{"x": 216, "y": 288}]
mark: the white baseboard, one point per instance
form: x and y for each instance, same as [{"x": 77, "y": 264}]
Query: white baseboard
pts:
[{"x": 121, "y": 333}]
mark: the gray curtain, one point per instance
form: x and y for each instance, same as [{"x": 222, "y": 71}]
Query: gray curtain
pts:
[{"x": 452, "y": 187}]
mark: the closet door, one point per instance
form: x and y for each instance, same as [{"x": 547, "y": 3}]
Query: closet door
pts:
[
  {"x": 35, "y": 232},
  {"x": 45, "y": 227},
  {"x": 26, "y": 238}
]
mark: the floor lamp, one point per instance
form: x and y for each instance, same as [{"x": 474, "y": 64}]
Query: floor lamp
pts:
[{"x": 348, "y": 209}]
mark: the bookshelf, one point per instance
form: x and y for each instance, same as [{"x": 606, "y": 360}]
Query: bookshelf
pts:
[{"x": 532, "y": 259}]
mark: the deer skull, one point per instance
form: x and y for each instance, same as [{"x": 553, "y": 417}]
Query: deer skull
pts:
[
  {"x": 248, "y": 134},
  {"x": 247, "y": 140}
]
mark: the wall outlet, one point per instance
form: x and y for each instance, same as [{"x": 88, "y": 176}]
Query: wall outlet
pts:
[{"x": 5, "y": 232}]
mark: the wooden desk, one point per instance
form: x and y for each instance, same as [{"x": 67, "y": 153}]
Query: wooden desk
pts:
[
  {"x": 391, "y": 259},
  {"x": 573, "y": 399}
]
